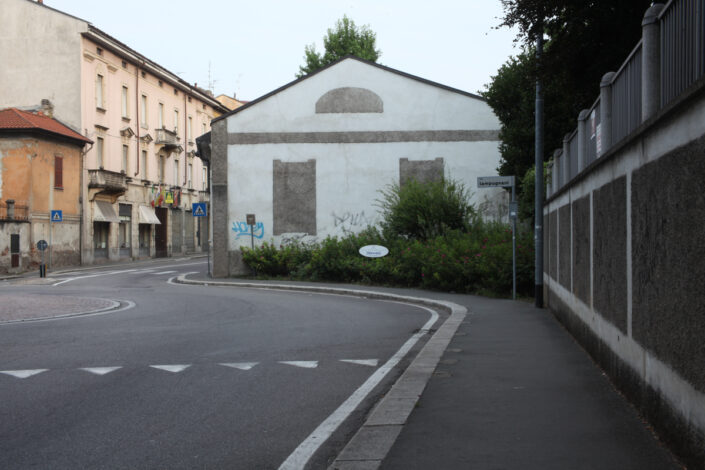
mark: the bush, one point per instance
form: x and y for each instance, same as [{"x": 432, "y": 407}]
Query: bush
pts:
[
  {"x": 474, "y": 261},
  {"x": 425, "y": 210}
]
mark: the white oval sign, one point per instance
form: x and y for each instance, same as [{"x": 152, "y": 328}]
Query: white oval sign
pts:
[{"x": 374, "y": 251}]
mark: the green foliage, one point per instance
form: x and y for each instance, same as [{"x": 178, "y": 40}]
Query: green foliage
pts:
[
  {"x": 346, "y": 39},
  {"x": 425, "y": 210},
  {"x": 475, "y": 261},
  {"x": 585, "y": 41},
  {"x": 527, "y": 184}
]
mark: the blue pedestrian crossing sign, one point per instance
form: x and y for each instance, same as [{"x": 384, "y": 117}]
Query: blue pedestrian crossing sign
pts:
[
  {"x": 57, "y": 216},
  {"x": 199, "y": 209}
]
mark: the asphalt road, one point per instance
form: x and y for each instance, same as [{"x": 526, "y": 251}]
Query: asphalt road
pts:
[{"x": 187, "y": 376}]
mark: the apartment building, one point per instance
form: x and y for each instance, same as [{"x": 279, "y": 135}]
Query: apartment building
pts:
[{"x": 141, "y": 175}]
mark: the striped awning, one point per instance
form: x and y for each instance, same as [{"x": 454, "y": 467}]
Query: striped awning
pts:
[
  {"x": 148, "y": 216},
  {"x": 103, "y": 211}
]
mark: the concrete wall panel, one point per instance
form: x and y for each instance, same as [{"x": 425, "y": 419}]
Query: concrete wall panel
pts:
[
  {"x": 610, "y": 252},
  {"x": 564, "y": 250},
  {"x": 668, "y": 214},
  {"x": 581, "y": 249}
]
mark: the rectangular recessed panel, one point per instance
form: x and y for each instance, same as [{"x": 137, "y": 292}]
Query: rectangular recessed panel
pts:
[{"x": 294, "y": 197}]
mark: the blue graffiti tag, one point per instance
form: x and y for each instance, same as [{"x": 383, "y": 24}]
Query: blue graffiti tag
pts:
[{"x": 241, "y": 229}]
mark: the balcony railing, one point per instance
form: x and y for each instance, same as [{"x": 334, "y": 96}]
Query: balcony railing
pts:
[
  {"x": 167, "y": 138},
  {"x": 107, "y": 181}
]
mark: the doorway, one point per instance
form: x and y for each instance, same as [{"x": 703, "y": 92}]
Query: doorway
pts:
[{"x": 160, "y": 233}]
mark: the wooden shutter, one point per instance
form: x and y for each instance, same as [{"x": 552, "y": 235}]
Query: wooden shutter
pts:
[{"x": 58, "y": 172}]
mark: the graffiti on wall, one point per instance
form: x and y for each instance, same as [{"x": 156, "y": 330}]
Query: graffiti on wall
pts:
[
  {"x": 350, "y": 221},
  {"x": 241, "y": 229}
]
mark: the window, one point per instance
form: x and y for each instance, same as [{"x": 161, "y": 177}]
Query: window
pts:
[
  {"x": 161, "y": 84},
  {"x": 143, "y": 112},
  {"x": 161, "y": 115},
  {"x": 124, "y": 101},
  {"x": 176, "y": 172},
  {"x": 176, "y": 121},
  {"x": 58, "y": 172},
  {"x": 125, "y": 229},
  {"x": 99, "y": 152},
  {"x": 124, "y": 64},
  {"x": 143, "y": 164},
  {"x": 125, "y": 151},
  {"x": 176, "y": 92},
  {"x": 190, "y": 128},
  {"x": 189, "y": 176},
  {"x": 99, "y": 51},
  {"x": 204, "y": 176},
  {"x": 99, "y": 92},
  {"x": 162, "y": 163}
]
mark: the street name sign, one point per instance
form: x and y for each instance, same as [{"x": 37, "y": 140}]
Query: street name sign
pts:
[
  {"x": 495, "y": 181},
  {"x": 374, "y": 251}
]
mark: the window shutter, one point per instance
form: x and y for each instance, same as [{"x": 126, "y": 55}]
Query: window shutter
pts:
[{"x": 58, "y": 172}]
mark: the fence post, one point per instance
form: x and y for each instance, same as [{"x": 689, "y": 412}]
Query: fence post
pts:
[
  {"x": 650, "y": 62},
  {"x": 582, "y": 139},
  {"x": 10, "y": 209},
  {"x": 604, "y": 140},
  {"x": 555, "y": 174},
  {"x": 565, "y": 167}
]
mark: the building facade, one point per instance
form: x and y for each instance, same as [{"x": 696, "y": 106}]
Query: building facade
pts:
[
  {"x": 323, "y": 147},
  {"x": 40, "y": 175},
  {"x": 141, "y": 175}
]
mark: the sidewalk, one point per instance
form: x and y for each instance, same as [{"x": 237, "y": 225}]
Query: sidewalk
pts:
[{"x": 512, "y": 390}]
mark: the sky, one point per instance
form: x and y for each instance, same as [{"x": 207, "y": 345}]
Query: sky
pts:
[{"x": 250, "y": 48}]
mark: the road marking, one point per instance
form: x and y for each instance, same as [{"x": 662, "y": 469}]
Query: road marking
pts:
[
  {"x": 362, "y": 362},
  {"x": 100, "y": 370},
  {"x": 172, "y": 368},
  {"x": 239, "y": 365},
  {"x": 302, "y": 454},
  {"x": 304, "y": 364},
  {"x": 164, "y": 272},
  {"x": 107, "y": 273},
  {"x": 23, "y": 374}
]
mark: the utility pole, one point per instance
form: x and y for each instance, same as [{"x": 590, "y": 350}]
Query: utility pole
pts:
[{"x": 538, "y": 189}]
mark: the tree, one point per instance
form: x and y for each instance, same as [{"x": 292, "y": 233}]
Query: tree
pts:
[
  {"x": 585, "y": 41},
  {"x": 346, "y": 39}
]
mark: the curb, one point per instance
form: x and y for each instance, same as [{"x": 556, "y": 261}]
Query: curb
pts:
[{"x": 373, "y": 441}]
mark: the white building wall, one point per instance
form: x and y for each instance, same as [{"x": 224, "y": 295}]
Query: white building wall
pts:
[
  {"x": 40, "y": 57},
  {"x": 349, "y": 176}
]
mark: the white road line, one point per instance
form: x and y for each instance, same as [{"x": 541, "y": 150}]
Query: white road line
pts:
[
  {"x": 362, "y": 362},
  {"x": 239, "y": 365},
  {"x": 164, "y": 272},
  {"x": 302, "y": 454},
  {"x": 23, "y": 374},
  {"x": 172, "y": 368},
  {"x": 304, "y": 364},
  {"x": 100, "y": 370},
  {"x": 108, "y": 273}
]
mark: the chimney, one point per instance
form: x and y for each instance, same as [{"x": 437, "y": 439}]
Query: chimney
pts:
[
  {"x": 47, "y": 107},
  {"x": 41, "y": 2}
]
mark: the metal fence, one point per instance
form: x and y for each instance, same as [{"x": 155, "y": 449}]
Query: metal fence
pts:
[
  {"x": 682, "y": 42},
  {"x": 681, "y": 50},
  {"x": 18, "y": 212},
  {"x": 626, "y": 96}
]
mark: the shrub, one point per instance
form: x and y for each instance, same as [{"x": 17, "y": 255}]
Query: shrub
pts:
[{"x": 425, "y": 210}]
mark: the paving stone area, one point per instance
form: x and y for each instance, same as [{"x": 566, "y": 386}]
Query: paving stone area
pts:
[{"x": 18, "y": 307}]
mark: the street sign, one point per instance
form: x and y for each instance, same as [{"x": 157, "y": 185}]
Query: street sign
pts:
[
  {"x": 513, "y": 210},
  {"x": 57, "y": 216},
  {"x": 251, "y": 219},
  {"x": 42, "y": 245},
  {"x": 199, "y": 209},
  {"x": 495, "y": 181}
]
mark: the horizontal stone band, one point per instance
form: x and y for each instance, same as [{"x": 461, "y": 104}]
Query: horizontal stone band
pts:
[{"x": 360, "y": 137}]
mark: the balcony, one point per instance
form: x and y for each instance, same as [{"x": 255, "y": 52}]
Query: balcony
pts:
[
  {"x": 106, "y": 182},
  {"x": 168, "y": 139}
]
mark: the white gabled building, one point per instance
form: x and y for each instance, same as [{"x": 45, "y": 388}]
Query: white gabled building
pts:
[{"x": 310, "y": 158}]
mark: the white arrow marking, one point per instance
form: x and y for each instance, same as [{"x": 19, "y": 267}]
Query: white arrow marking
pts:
[
  {"x": 362, "y": 362},
  {"x": 100, "y": 370},
  {"x": 240, "y": 365},
  {"x": 304, "y": 364},
  {"x": 23, "y": 374},
  {"x": 173, "y": 368}
]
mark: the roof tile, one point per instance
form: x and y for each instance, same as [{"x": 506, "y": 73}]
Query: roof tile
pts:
[{"x": 13, "y": 118}]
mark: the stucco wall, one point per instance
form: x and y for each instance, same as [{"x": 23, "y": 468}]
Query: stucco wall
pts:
[
  {"x": 636, "y": 299},
  {"x": 40, "y": 57},
  {"x": 356, "y": 147}
]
